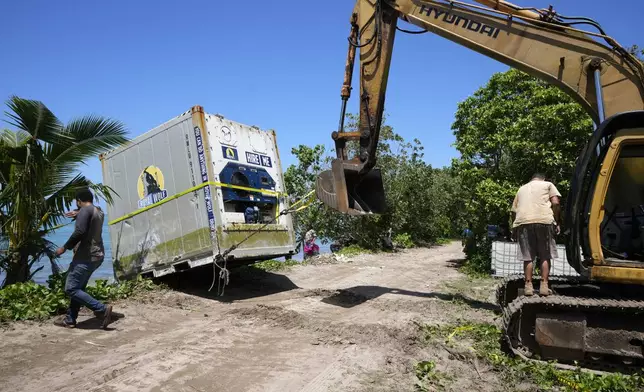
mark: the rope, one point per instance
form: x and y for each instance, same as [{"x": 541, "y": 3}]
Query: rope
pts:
[{"x": 224, "y": 273}]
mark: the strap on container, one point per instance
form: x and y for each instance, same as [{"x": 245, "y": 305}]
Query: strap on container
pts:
[{"x": 193, "y": 189}]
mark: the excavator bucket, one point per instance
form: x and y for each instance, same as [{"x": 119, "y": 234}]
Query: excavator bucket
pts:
[{"x": 344, "y": 189}]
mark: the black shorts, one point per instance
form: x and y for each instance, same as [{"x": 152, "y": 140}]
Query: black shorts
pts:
[{"x": 537, "y": 240}]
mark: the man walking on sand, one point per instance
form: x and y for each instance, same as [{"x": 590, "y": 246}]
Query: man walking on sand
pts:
[
  {"x": 87, "y": 242},
  {"x": 536, "y": 211}
]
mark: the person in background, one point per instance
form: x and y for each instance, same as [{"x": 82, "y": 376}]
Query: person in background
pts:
[
  {"x": 87, "y": 243},
  {"x": 536, "y": 213},
  {"x": 467, "y": 240},
  {"x": 310, "y": 247},
  {"x": 465, "y": 235}
]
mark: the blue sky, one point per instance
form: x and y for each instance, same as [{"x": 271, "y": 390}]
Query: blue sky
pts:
[{"x": 274, "y": 64}]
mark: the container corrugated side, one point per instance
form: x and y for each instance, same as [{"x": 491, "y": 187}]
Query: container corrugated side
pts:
[{"x": 154, "y": 166}]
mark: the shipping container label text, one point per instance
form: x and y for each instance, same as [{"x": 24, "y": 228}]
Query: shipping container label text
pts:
[
  {"x": 257, "y": 159},
  {"x": 204, "y": 178}
]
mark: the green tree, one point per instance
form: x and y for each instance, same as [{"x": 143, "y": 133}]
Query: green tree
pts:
[
  {"x": 447, "y": 193},
  {"x": 421, "y": 200},
  {"x": 637, "y": 51},
  {"x": 512, "y": 127},
  {"x": 300, "y": 180},
  {"x": 39, "y": 164}
]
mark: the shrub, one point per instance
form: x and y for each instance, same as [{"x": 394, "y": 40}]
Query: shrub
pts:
[
  {"x": 31, "y": 301},
  {"x": 403, "y": 241}
]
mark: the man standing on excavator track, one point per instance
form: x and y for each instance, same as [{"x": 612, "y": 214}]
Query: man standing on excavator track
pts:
[{"x": 536, "y": 213}]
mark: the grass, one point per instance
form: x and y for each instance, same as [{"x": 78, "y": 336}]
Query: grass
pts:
[
  {"x": 483, "y": 341},
  {"x": 473, "y": 271},
  {"x": 353, "y": 250},
  {"x": 444, "y": 241},
  {"x": 476, "y": 288},
  {"x": 274, "y": 265}
]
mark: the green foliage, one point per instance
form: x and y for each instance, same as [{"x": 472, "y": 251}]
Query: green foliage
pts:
[
  {"x": 353, "y": 250},
  {"x": 475, "y": 267},
  {"x": 103, "y": 291},
  {"x": 512, "y": 127},
  {"x": 39, "y": 164},
  {"x": 299, "y": 180},
  {"x": 31, "y": 301},
  {"x": 403, "y": 240},
  {"x": 274, "y": 265},
  {"x": 637, "y": 52},
  {"x": 484, "y": 340},
  {"x": 422, "y": 201},
  {"x": 428, "y": 378},
  {"x": 479, "y": 257}
]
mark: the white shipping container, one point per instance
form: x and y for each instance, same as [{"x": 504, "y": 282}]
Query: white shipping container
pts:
[{"x": 183, "y": 188}]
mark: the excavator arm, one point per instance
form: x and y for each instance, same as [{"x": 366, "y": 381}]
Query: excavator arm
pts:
[{"x": 602, "y": 76}]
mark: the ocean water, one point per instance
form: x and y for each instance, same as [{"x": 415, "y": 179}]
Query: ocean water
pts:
[
  {"x": 105, "y": 271},
  {"x": 59, "y": 237}
]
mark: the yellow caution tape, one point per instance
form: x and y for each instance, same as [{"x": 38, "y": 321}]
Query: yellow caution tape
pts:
[
  {"x": 190, "y": 190},
  {"x": 303, "y": 206}
]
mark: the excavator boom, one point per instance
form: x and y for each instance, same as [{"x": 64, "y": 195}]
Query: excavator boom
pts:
[{"x": 603, "y": 77}]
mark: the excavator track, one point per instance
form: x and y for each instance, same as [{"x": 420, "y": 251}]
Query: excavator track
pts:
[
  {"x": 511, "y": 286},
  {"x": 599, "y": 334}
]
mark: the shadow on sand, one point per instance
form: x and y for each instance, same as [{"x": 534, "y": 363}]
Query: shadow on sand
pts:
[
  {"x": 244, "y": 283},
  {"x": 357, "y": 295},
  {"x": 247, "y": 283}
]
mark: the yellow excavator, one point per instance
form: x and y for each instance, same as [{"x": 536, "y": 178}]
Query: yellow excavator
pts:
[{"x": 596, "y": 319}]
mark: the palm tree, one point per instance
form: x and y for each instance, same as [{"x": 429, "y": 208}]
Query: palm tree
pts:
[{"x": 39, "y": 175}]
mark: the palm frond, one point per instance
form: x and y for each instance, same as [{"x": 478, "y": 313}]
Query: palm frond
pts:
[
  {"x": 91, "y": 135},
  {"x": 40, "y": 249},
  {"x": 13, "y": 139},
  {"x": 14, "y": 155},
  {"x": 34, "y": 118},
  {"x": 62, "y": 199},
  {"x": 39, "y": 178}
]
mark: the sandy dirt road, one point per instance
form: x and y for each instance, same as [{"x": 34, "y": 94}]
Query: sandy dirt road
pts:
[{"x": 349, "y": 326}]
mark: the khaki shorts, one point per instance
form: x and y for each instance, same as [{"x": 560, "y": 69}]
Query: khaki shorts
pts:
[{"x": 537, "y": 240}]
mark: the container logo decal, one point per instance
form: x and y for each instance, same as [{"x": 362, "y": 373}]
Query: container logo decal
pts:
[
  {"x": 257, "y": 159},
  {"x": 150, "y": 186},
  {"x": 230, "y": 153},
  {"x": 201, "y": 153},
  {"x": 227, "y": 134}
]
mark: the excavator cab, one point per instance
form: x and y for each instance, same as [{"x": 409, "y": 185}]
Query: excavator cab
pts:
[
  {"x": 345, "y": 189},
  {"x": 605, "y": 207}
]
